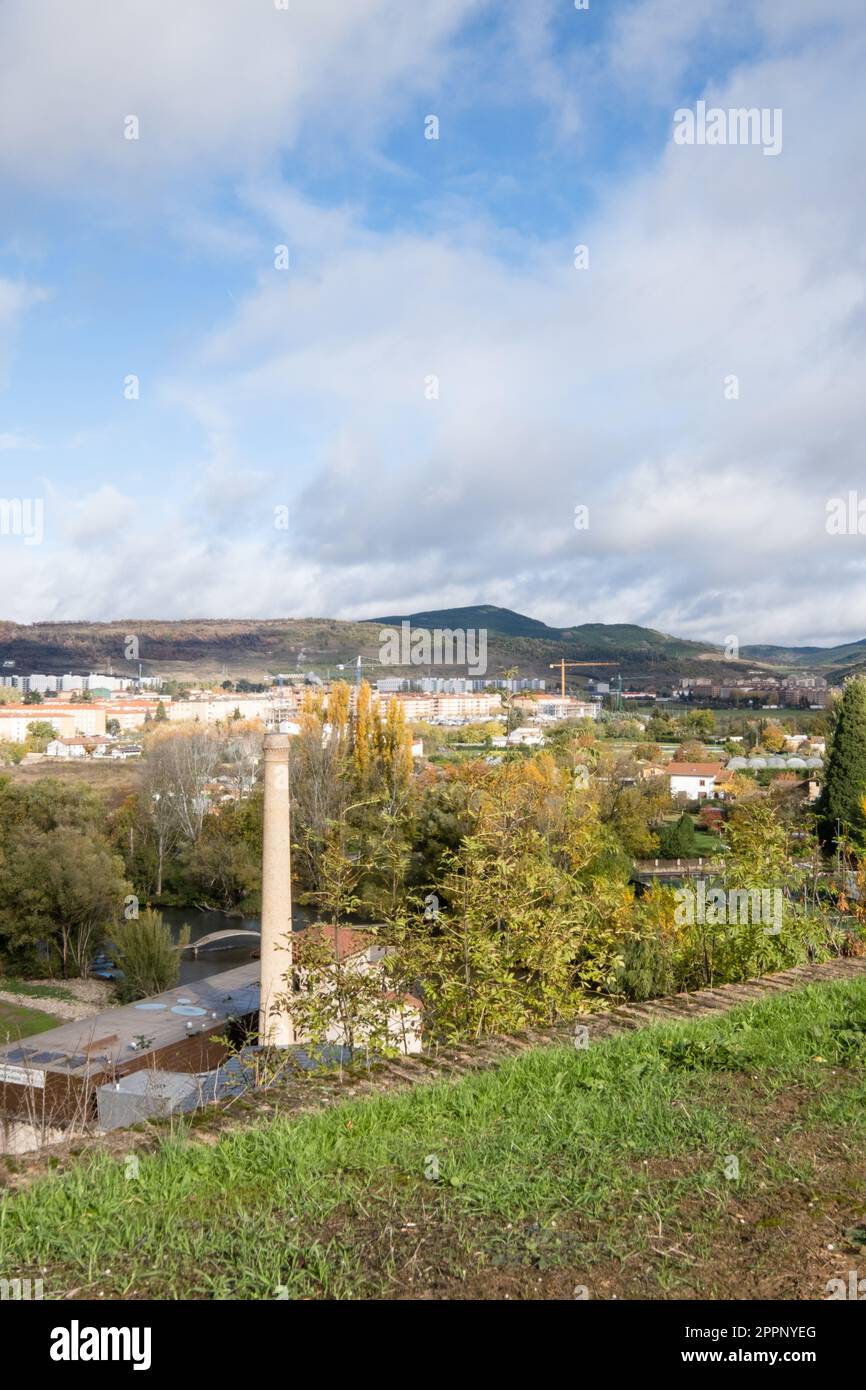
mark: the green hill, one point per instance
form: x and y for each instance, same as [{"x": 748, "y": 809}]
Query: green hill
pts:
[{"x": 205, "y": 649}]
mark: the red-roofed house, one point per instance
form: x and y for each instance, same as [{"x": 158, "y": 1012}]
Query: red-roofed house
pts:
[{"x": 695, "y": 781}]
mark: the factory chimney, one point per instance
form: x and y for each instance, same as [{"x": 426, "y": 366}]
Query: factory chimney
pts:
[{"x": 275, "y": 1028}]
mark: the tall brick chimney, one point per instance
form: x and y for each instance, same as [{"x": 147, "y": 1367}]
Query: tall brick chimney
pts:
[{"x": 275, "y": 1027}]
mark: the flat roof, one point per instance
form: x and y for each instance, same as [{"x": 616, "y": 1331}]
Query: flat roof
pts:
[{"x": 93, "y": 1045}]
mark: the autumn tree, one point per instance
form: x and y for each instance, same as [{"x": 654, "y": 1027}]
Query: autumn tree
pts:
[{"x": 773, "y": 738}]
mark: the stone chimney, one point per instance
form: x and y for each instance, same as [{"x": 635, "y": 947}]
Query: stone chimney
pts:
[{"x": 275, "y": 1028}]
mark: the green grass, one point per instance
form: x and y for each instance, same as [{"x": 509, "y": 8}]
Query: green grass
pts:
[
  {"x": 12, "y": 985},
  {"x": 561, "y": 1155},
  {"x": 707, "y": 843},
  {"x": 16, "y": 1021}
]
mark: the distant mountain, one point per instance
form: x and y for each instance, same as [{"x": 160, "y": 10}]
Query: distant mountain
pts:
[
  {"x": 517, "y": 640},
  {"x": 594, "y": 638},
  {"x": 204, "y": 649},
  {"x": 480, "y": 615},
  {"x": 844, "y": 659}
]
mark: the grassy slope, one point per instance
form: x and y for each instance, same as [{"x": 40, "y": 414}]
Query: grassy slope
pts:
[
  {"x": 602, "y": 1168},
  {"x": 19, "y": 1022}
]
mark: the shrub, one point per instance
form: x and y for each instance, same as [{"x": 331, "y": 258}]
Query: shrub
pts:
[
  {"x": 148, "y": 957},
  {"x": 678, "y": 841}
]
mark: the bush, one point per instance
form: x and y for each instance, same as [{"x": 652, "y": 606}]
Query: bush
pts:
[
  {"x": 148, "y": 957},
  {"x": 647, "y": 970}
]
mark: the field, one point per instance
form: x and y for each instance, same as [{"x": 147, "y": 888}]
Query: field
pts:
[
  {"x": 720, "y": 1158},
  {"x": 114, "y": 778}
]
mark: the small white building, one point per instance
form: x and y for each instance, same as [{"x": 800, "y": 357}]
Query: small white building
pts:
[
  {"x": 525, "y": 737},
  {"x": 66, "y": 748},
  {"x": 80, "y": 746},
  {"x": 357, "y": 952},
  {"x": 695, "y": 781}
]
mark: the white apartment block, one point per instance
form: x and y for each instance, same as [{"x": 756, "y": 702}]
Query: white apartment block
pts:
[
  {"x": 443, "y": 706},
  {"x": 67, "y": 720},
  {"x": 218, "y": 710}
]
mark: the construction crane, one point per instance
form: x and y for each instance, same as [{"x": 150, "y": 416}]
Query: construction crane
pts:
[{"x": 562, "y": 665}]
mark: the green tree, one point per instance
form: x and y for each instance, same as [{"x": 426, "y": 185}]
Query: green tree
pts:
[
  {"x": 61, "y": 890},
  {"x": 39, "y": 735},
  {"x": 678, "y": 841},
  {"x": 840, "y": 808}
]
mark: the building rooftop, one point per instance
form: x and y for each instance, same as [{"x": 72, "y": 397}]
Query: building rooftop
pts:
[
  {"x": 695, "y": 769},
  {"x": 94, "y": 1045}
]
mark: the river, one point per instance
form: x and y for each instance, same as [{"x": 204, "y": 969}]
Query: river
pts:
[{"x": 214, "y": 961}]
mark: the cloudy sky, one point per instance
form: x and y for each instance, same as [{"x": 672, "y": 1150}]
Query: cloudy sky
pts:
[{"x": 408, "y": 414}]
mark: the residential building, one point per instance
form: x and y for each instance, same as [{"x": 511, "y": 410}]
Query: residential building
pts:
[
  {"x": 66, "y": 719},
  {"x": 219, "y": 709},
  {"x": 447, "y": 706},
  {"x": 695, "y": 781},
  {"x": 526, "y": 736},
  {"x": 97, "y": 746}
]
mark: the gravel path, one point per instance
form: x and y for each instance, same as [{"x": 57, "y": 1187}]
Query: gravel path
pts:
[{"x": 90, "y": 997}]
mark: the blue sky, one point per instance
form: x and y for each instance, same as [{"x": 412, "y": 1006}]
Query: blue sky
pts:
[{"x": 413, "y": 259}]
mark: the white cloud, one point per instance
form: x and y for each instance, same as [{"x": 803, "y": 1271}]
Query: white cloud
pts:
[
  {"x": 17, "y": 442},
  {"x": 556, "y": 386},
  {"x": 217, "y": 86},
  {"x": 607, "y": 387}
]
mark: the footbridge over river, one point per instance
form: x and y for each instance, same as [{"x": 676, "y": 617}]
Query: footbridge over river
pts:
[{"x": 221, "y": 939}]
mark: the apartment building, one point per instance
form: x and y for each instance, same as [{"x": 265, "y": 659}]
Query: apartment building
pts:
[
  {"x": 66, "y": 719},
  {"x": 221, "y": 708},
  {"x": 133, "y": 713},
  {"x": 449, "y": 706}
]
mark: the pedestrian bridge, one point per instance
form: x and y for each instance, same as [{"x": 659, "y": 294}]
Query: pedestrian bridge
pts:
[{"x": 221, "y": 939}]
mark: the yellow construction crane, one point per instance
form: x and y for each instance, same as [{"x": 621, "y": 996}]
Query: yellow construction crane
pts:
[{"x": 562, "y": 665}]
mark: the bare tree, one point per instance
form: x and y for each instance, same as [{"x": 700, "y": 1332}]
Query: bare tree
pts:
[{"x": 178, "y": 766}]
